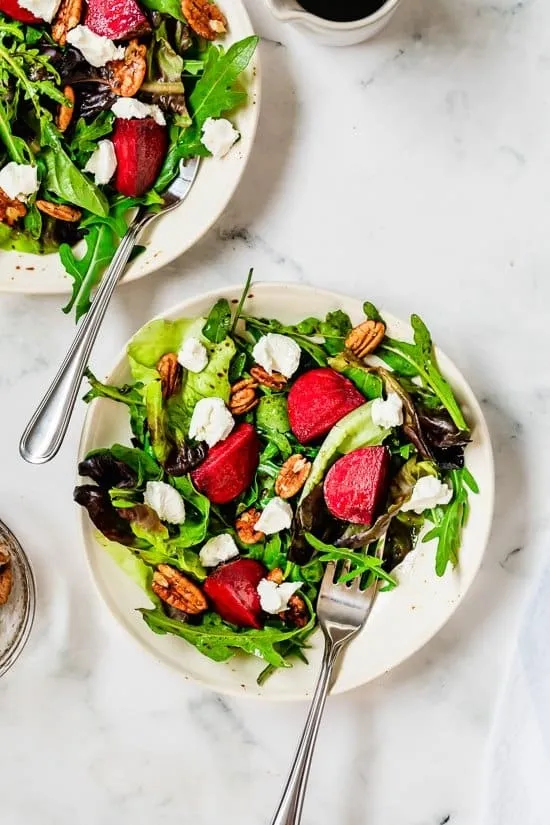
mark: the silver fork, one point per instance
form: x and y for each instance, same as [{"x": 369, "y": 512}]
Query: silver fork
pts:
[
  {"x": 342, "y": 610},
  {"x": 46, "y": 429}
]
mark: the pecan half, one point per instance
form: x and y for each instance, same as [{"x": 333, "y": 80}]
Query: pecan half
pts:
[
  {"x": 366, "y": 338},
  {"x": 276, "y": 575},
  {"x": 292, "y": 476},
  {"x": 170, "y": 371},
  {"x": 64, "y": 112},
  {"x": 273, "y": 380},
  {"x": 178, "y": 591},
  {"x": 204, "y": 17},
  {"x": 243, "y": 396},
  {"x": 11, "y": 210},
  {"x": 6, "y": 577},
  {"x": 60, "y": 211},
  {"x": 245, "y": 525},
  {"x": 67, "y": 17},
  {"x": 126, "y": 76},
  {"x": 296, "y": 612}
]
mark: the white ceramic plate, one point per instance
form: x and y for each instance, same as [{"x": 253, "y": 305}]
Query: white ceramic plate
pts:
[
  {"x": 402, "y": 620},
  {"x": 175, "y": 233}
]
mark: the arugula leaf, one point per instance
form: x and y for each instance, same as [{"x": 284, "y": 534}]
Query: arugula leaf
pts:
[
  {"x": 450, "y": 520},
  {"x": 217, "y": 92},
  {"x": 220, "y": 642},
  {"x": 360, "y": 563},
  {"x": 86, "y": 134},
  {"x": 371, "y": 312},
  {"x": 66, "y": 181},
  {"x": 335, "y": 329},
  {"x": 264, "y": 325},
  {"x": 419, "y": 358},
  {"x": 157, "y": 420},
  {"x": 127, "y": 394},
  {"x": 87, "y": 270},
  {"x": 242, "y": 299},
  {"x": 141, "y": 463},
  {"x": 218, "y": 323}
]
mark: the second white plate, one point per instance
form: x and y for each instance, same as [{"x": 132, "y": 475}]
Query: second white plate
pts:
[{"x": 175, "y": 233}]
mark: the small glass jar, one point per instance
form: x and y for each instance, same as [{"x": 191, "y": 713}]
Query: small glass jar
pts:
[{"x": 17, "y": 615}]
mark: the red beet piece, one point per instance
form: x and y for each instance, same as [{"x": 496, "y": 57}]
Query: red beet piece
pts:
[
  {"x": 318, "y": 400},
  {"x": 229, "y": 466},
  {"x": 233, "y": 590},
  {"x": 17, "y": 12},
  {"x": 140, "y": 148},
  {"x": 117, "y": 19},
  {"x": 356, "y": 485}
]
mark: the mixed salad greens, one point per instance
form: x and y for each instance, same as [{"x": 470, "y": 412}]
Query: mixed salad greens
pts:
[
  {"x": 260, "y": 452},
  {"x": 100, "y": 101}
]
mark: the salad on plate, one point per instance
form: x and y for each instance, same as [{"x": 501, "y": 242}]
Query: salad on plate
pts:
[
  {"x": 262, "y": 451},
  {"x": 100, "y": 102}
]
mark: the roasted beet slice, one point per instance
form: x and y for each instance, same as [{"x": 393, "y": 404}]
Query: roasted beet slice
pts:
[
  {"x": 140, "y": 148},
  {"x": 116, "y": 19},
  {"x": 356, "y": 485},
  {"x": 229, "y": 467},
  {"x": 17, "y": 12},
  {"x": 318, "y": 400},
  {"x": 233, "y": 591}
]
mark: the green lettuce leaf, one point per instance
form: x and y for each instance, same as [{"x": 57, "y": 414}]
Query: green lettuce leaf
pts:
[
  {"x": 197, "y": 514},
  {"x": 157, "y": 421},
  {"x": 156, "y": 339}
]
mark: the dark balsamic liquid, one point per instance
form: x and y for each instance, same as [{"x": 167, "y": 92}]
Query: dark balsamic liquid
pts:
[{"x": 342, "y": 11}]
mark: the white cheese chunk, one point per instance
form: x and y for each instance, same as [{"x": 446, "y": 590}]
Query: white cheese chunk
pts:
[
  {"x": 277, "y": 353},
  {"x": 44, "y": 9},
  {"x": 428, "y": 492},
  {"x": 193, "y": 355},
  {"x": 275, "y": 517},
  {"x": 211, "y": 421},
  {"x": 102, "y": 164},
  {"x": 387, "y": 413},
  {"x": 218, "y": 549},
  {"x": 18, "y": 180},
  {"x": 95, "y": 48},
  {"x": 218, "y": 135},
  {"x": 166, "y": 501},
  {"x": 274, "y": 597},
  {"x": 128, "y": 108}
]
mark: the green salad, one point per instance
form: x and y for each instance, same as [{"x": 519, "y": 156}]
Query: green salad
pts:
[
  {"x": 260, "y": 452},
  {"x": 100, "y": 102}
]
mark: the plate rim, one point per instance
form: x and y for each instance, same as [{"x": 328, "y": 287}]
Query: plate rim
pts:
[
  {"x": 165, "y": 259},
  {"x": 337, "y": 688}
]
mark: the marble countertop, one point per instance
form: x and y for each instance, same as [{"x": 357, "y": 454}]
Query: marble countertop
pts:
[{"x": 413, "y": 171}]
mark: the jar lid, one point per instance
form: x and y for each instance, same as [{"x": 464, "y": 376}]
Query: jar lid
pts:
[{"x": 17, "y": 614}]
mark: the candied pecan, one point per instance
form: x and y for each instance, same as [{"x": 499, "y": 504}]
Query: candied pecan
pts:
[
  {"x": 273, "y": 380},
  {"x": 126, "y": 76},
  {"x": 296, "y": 612},
  {"x": 11, "y": 210},
  {"x": 276, "y": 575},
  {"x": 245, "y": 525},
  {"x": 292, "y": 476},
  {"x": 178, "y": 591},
  {"x": 65, "y": 112},
  {"x": 170, "y": 371},
  {"x": 366, "y": 337},
  {"x": 67, "y": 17},
  {"x": 6, "y": 577},
  {"x": 243, "y": 396},
  {"x": 60, "y": 211},
  {"x": 204, "y": 17}
]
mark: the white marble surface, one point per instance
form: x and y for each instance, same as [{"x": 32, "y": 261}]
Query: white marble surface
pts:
[{"x": 413, "y": 171}]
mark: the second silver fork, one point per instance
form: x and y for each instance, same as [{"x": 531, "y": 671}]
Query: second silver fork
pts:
[
  {"x": 342, "y": 610},
  {"x": 46, "y": 430}
]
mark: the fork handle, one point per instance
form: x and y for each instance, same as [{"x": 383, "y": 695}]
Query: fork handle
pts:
[
  {"x": 46, "y": 429},
  {"x": 290, "y": 807}
]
